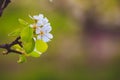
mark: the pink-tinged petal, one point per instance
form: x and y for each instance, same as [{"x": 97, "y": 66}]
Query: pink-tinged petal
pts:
[
  {"x": 39, "y": 37},
  {"x": 50, "y": 36},
  {"x": 38, "y": 30},
  {"x": 45, "y": 39}
]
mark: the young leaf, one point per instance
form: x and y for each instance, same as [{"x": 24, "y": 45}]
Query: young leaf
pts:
[
  {"x": 15, "y": 33},
  {"x": 17, "y": 47},
  {"x": 35, "y": 54},
  {"x": 26, "y": 34},
  {"x": 41, "y": 46},
  {"x": 23, "y": 22},
  {"x": 29, "y": 46},
  {"x": 22, "y": 59}
]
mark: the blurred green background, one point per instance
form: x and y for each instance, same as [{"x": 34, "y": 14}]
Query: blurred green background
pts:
[{"x": 65, "y": 58}]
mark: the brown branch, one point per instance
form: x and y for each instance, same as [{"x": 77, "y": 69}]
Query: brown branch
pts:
[
  {"x": 8, "y": 46},
  {"x": 3, "y": 5}
]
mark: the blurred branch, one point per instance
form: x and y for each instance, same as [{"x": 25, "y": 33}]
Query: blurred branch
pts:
[
  {"x": 8, "y": 46},
  {"x": 3, "y": 5}
]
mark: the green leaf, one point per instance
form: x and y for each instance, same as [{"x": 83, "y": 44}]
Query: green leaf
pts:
[
  {"x": 15, "y": 33},
  {"x": 22, "y": 59},
  {"x": 41, "y": 46},
  {"x": 35, "y": 54},
  {"x": 23, "y": 22},
  {"x": 26, "y": 34},
  {"x": 17, "y": 47},
  {"x": 29, "y": 46}
]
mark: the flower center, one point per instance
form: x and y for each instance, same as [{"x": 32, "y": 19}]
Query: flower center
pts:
[
  {"x": 34, "y": 27},
  {"x": 41, "y": 33}
]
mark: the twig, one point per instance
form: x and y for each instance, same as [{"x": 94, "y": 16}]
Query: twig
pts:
[
  {"x": 8, "y": 46},
  {"x": 3, "y": 5}
]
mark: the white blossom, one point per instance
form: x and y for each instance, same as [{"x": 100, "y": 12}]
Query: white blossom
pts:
[
  {"x": 42, "y": 28},
  {"x": 44, "y": 33},
  {"x": 37, "y": 17},
  {"x": 40, "y": 19},
  {"x": 42, "y": 22}
]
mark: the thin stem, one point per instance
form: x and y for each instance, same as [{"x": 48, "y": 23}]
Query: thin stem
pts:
[{"x": 8, "y": 46}]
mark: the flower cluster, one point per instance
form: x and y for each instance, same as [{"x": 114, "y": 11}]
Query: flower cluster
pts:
[{"x": 42, "y": 27}]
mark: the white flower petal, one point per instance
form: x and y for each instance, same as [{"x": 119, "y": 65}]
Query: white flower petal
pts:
[
  {"x": 48, "y": 24},
  {"x": 50, "y": 36},
  {"x": 45, "y": 39},
  {"x": 45, "y": 21},
  {"x": 42, "y": 27},
  {"x": 39, "y": 37},
  {"x": 41, "y": 16},
  {"x": 39, "y": 23},
  {"x": 38, "y": 30},
  {"x": 47, "y": 28},
  {"x": 36, "y": 17}
]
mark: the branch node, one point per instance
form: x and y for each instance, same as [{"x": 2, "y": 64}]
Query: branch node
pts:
[{"x": 8, "y": 47}]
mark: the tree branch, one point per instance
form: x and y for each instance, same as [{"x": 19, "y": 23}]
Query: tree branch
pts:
[
  {"x": 8, "y": 46},
  {"x": 3, "y": 5}
]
